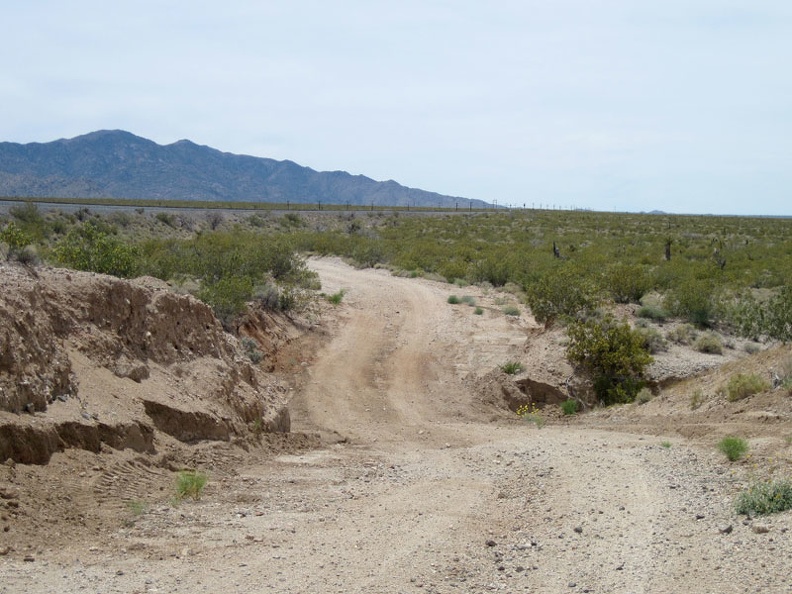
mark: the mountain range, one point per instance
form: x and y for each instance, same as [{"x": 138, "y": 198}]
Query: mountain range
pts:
[{"x": 118, "y": 164}]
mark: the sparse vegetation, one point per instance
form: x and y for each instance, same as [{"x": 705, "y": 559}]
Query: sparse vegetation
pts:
[
  {"x": 336, "y": 297},
  {"x": 665, "y": 444},
  {"x": 511, "y": 310},
  {"x": 478, "y": 311},
  {"x": 710, "y": 343},
  {"x": 252, "y": 350},
  {"x": 766, "y": 497},
  {"x": 733, "y": 448},
  {"x": 511, "y": 367},
  {"x": 190, "y": 483},
  {"x": 570, "y": 407},
  {"x": 644, "y": 396},
  {"x": 453, "y": 300},
  {"x": 696, "y": 399},
  {"x": 684, "y": 334},
  {"x": 531, "y": 414},
  {"x": 743, "y": 385}
]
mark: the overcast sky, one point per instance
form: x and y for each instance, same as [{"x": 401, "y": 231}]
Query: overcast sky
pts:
[{"x": 676, "y": 105}]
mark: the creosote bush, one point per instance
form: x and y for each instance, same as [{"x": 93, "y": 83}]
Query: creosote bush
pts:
[
  {"x": 570, "y": 407},
  {"x": 612, "y": 354}
]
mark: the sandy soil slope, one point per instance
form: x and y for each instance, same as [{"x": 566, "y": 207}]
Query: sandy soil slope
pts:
[{"x": 425, "y": 485}]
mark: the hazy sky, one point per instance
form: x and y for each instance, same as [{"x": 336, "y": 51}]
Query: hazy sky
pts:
[{"x": 676, "y": 105}]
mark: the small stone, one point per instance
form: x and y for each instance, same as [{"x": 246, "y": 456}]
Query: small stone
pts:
[
  {"x": 579, "y": 529},
  {"x": 699, "y": 516},
  {"x": 491, "y": 543},
  {"x": 29, "y": 559},
  {"x": 572, "y": 585},
  {"x": 760, "y": 529},
  {"x": 725, "y": 528}
]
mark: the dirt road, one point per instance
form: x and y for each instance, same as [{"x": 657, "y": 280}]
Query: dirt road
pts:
[{"x": 424, "y": 488}]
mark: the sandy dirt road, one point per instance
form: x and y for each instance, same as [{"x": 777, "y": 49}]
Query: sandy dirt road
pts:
[{"x": 424, "y": 488}]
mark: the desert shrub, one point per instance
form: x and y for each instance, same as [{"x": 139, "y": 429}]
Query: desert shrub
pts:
[
  {"x": 15, "y": 238},
  {"x": 93, "y": 248},
  {"x": 530, "y": 413},
  {"x": 696, "y": 399},
  {"x": 468, "y": 299},
  {"x": 693, "y": 301},
  {"x": 779, "y": 315},
  {"x": 336, "y": 297},
  {"x": 644, "y": 396},
  {"x": 267, "y": 295},
  {"x": 763, "y": 498},
  {"x": 653, "y": 341},
  {"x": 733, "y": 448},
  {"x": 478, "y": 311},
  {"x": 752, "y": 348},
  {"x": 453, "y": 299},
  {"x": 511, "y": 367},
  {"x": 190, "y": 483},
  {"x": 570, "y": 407},
  {"x": 653, "y": 312},
  {"x": 743, "y": 385},
  {"x": 626, "y": 283},
  {"x": 227, "y": 297},
  {"x": 684, "y": 334},
  {"x": 167, "y": 218},
  {"x": 612, "y": 354},
  {"x": 710, "y": 343},
  {"x": 252, "y": 351},
  {"x": 511, "y": 310},
  {"x": 30, "y": 220},
  {"x": 563, "y": 293}
]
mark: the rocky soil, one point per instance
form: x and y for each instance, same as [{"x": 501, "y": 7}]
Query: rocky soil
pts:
[{"x": 405, "y": 470}]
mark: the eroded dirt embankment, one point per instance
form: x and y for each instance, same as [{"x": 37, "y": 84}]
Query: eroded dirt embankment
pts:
[{"x": 88, "y": 361}]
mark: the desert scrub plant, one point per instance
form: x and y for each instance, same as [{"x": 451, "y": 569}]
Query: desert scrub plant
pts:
[
  {"x": 562, "y": 293},
  {"x": 665, "y": 444},
  {"x": 696, "y": 399},
  {"x": 652, "y": 312},
  {"x": 653, "y": 341},
  {"x": 570, "y": 407},
  {"x": 733, "y": 448},
  {"x": 511, "y": 311},
  {"x": 190, "y": 483},
  {"x": 95, "y": 248},
  {"x": 684, "y": 334},
  {"x": 644, "y": 396},
  {"x": 511, "y": 367},
  {"x": 468, "y": 300},
  {"x": 478, "y": 311},
  {"x": 692, "y": 300},
  {"x": 453, "y": 300},
  {"x": 766, "y": 497},
  {"x": 709, "y": 343},
  {"x": 336, "y": 297},
  {"x": 252, "y": 351},
  {"x": 743, "y": 385},
  {"x": 530, "y": 413},
  {"x": 612, "y": 354}
]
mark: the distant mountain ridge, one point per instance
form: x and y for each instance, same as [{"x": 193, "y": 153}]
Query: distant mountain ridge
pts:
[{"x": 118, "y": 164}]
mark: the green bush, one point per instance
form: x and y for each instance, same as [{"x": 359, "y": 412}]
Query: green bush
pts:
[
  {"x": 764, "y": 498},
  {"x": 612, "y": 354},
  {"x": 511, "y": 367},
  {"x": 564, "y": 293},
  {"x": 653, "y": 341},
  {"x": 653, "y": 312},
  {"x": 15, "y": 238},
  {"x": 252, "y": 350},
  {"x": 743, "y": 385},
  {"x": 644, "y": 396},
  {"x": 733, "y": 447},
  {"x": 693, "y": 301},
  {"x": 190, "y": 483},
  {"x": 227, "y": 297},
  {"x": 478, "y": 311},
  {"x": 627, "y": 283},
  {"x": 511, "y": 310},
  {"x": 569, "y": 407},
  {"x": 93, "y": 248},
  {"x": 709, "y": 343},
  {"x": 453, "y": 299},
  {"x": 684, "y": 334},
  {"x": 336, "y": 297}
]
